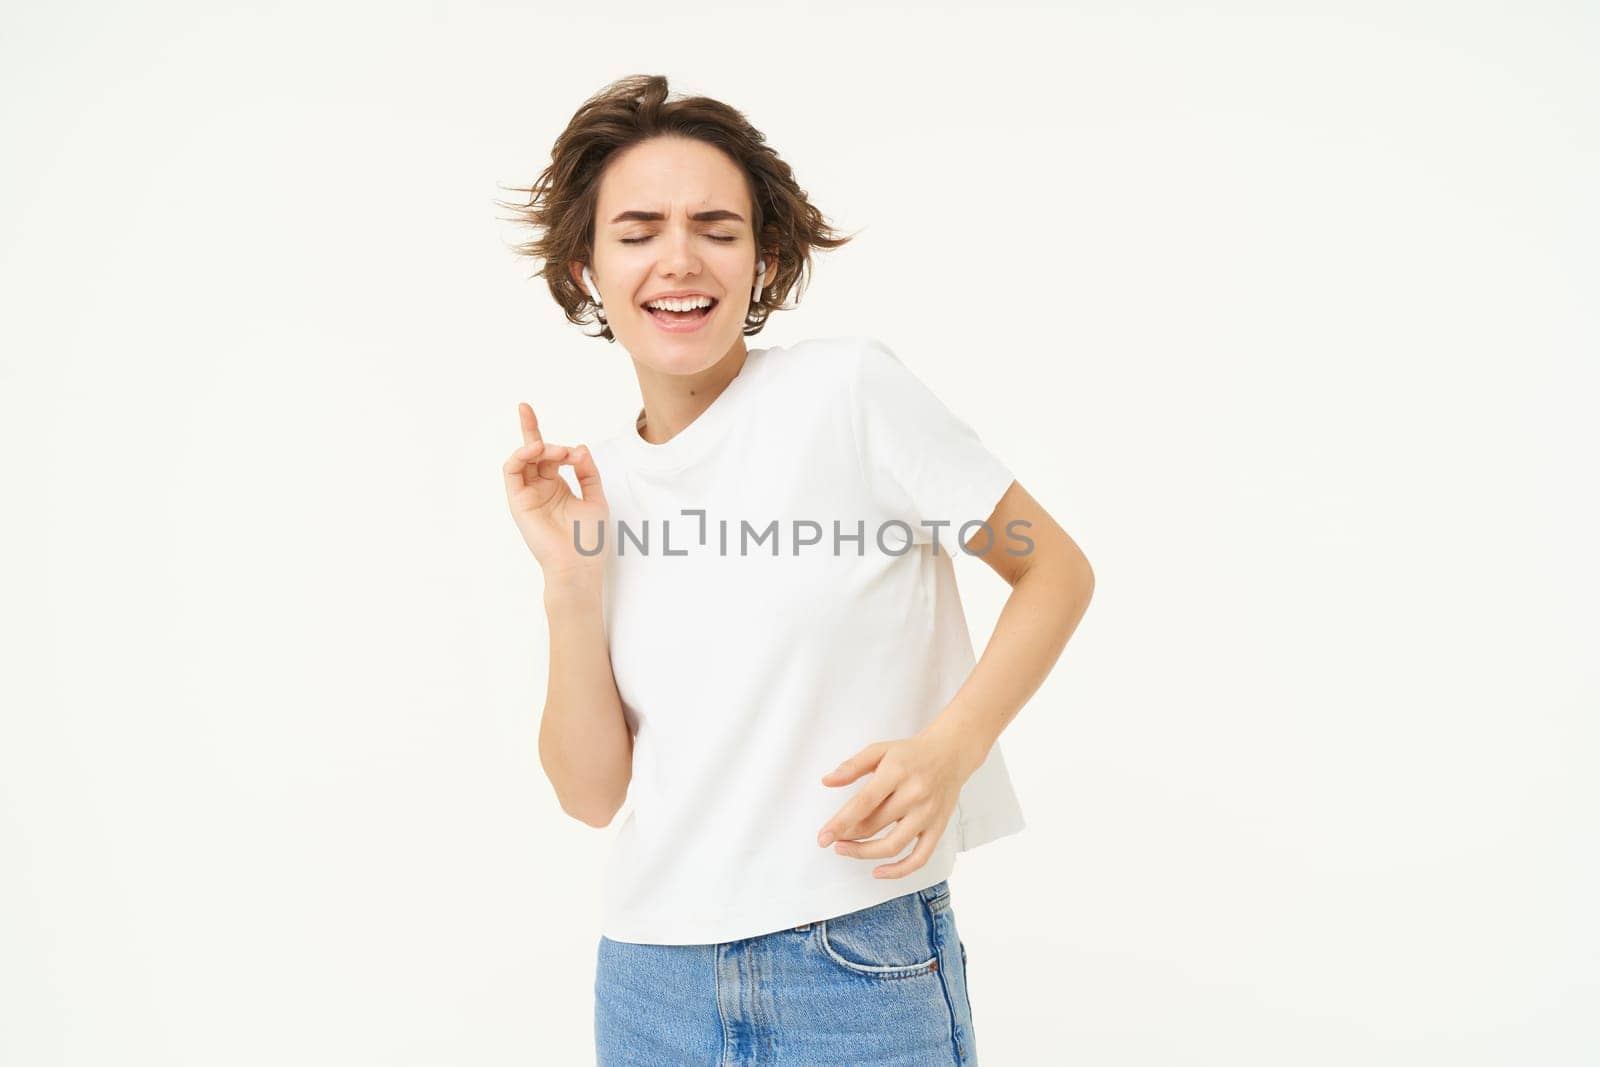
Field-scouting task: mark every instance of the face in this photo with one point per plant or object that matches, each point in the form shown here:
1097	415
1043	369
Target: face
673	215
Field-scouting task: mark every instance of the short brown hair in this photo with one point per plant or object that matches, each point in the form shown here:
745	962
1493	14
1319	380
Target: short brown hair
562	201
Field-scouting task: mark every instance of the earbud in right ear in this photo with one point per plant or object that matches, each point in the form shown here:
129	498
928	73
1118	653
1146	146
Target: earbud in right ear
588	281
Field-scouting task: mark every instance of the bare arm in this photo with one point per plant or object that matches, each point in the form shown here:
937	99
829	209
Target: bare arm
1051	585
585	745
916	782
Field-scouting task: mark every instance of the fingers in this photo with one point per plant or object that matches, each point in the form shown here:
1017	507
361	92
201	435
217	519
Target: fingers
858	808
588	475
544	459
530	424
552	459
525	456
528	460
856	765
894	807
515	467
925	846
890	844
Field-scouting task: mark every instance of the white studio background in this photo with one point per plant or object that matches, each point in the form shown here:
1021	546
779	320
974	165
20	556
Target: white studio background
1287	315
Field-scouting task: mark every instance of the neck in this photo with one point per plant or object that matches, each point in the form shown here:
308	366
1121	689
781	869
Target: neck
673	401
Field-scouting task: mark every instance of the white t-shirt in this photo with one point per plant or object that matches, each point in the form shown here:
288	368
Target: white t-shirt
747	675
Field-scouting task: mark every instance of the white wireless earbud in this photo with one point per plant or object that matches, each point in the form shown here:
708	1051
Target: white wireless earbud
761	282
588	281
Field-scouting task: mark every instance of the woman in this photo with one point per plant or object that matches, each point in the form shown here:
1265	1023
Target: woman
753	583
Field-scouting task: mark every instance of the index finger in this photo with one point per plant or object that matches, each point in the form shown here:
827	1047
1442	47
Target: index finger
854	810
530	424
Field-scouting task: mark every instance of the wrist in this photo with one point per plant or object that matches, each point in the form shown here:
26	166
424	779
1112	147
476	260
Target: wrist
966	744
576	585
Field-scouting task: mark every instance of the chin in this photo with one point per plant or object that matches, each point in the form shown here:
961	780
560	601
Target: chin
681	354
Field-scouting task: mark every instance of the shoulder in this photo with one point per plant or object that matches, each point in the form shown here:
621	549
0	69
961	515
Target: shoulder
838	363
839	350
858	373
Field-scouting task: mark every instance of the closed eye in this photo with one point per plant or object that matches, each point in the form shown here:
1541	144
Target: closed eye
646	237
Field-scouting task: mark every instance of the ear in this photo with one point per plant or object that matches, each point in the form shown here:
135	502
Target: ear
575	268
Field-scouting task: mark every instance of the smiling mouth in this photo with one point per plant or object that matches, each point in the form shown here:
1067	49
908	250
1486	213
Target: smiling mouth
682	316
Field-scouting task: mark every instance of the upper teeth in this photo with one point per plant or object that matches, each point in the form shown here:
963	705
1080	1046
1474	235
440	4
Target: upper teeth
688	303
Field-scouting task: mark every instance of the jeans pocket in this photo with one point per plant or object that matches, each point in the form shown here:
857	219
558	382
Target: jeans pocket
888	940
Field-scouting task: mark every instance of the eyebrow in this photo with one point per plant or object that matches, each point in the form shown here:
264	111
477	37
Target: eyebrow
717	215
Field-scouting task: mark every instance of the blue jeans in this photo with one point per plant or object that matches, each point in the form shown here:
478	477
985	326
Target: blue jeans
886	985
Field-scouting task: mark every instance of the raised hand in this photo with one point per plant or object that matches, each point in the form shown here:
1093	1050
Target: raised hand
545	508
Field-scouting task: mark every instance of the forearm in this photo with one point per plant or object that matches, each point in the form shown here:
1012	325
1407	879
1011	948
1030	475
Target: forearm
1039	617
585	746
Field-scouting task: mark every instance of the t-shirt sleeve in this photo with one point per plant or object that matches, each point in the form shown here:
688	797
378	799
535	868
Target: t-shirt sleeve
921	463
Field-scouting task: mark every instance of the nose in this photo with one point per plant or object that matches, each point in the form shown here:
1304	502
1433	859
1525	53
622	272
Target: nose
678	257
